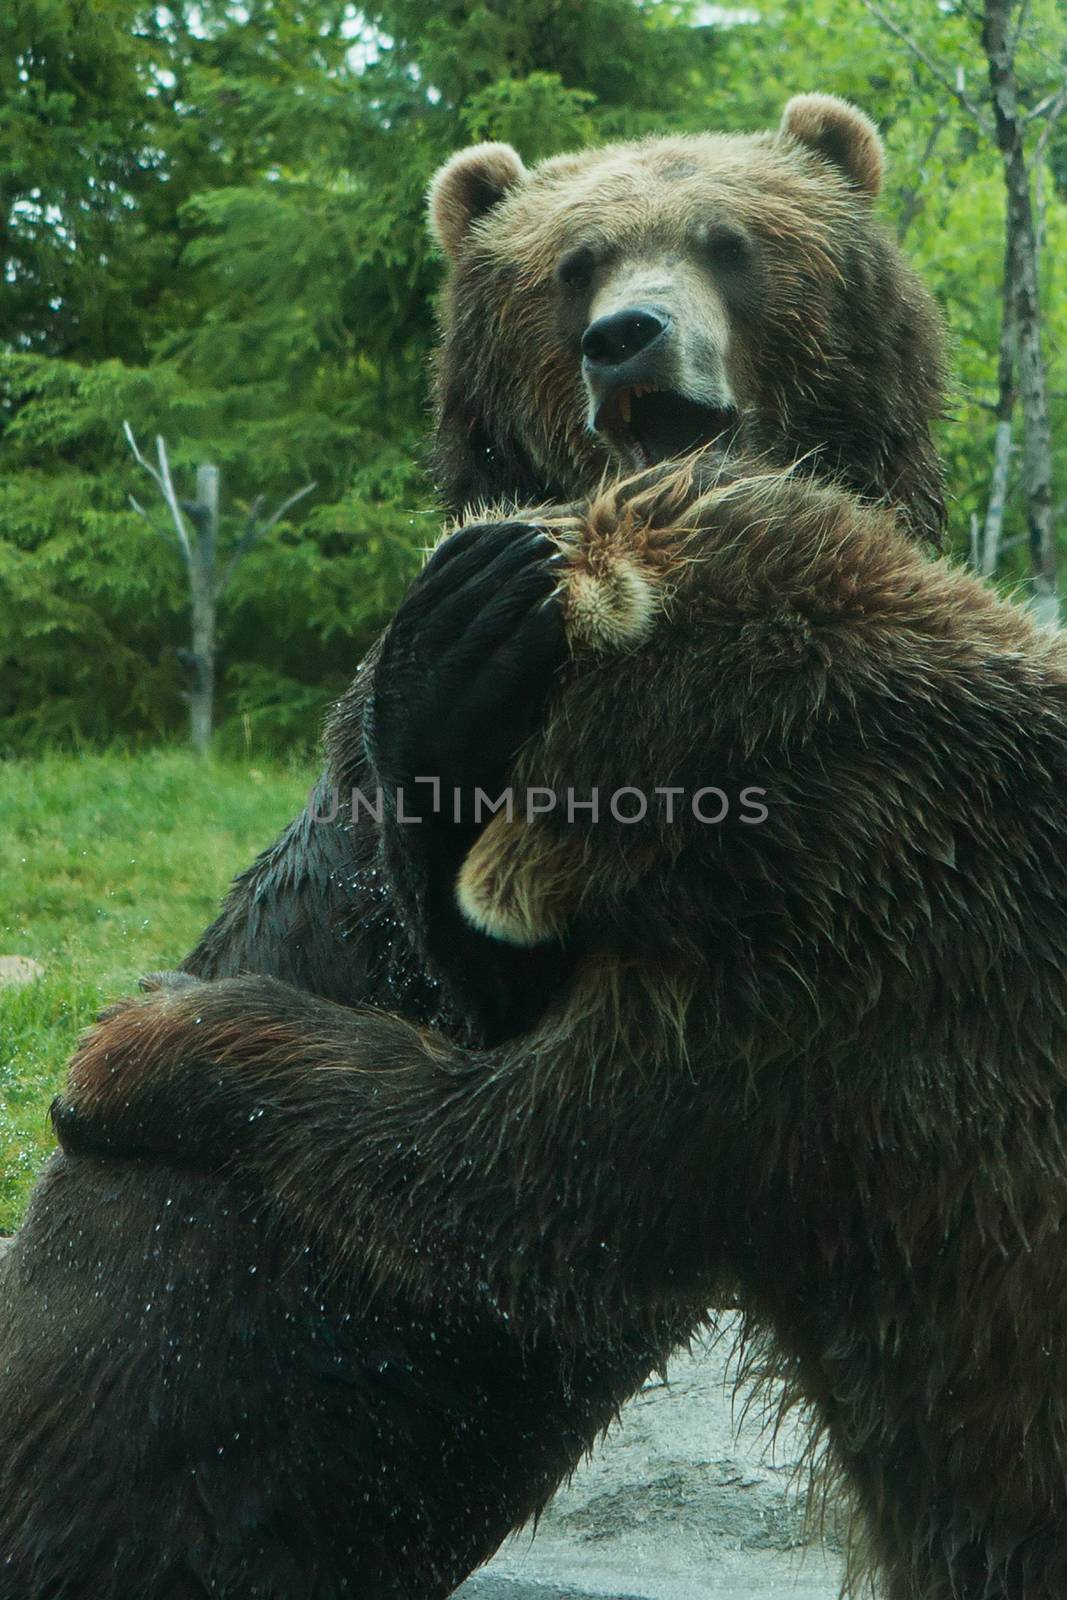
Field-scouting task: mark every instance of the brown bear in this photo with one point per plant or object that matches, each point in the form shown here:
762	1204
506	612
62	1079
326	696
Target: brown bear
814	1052
772	317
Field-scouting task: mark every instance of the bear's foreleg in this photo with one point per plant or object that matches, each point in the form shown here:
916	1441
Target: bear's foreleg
454	1177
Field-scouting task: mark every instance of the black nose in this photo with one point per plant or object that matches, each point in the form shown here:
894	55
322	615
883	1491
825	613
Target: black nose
609	341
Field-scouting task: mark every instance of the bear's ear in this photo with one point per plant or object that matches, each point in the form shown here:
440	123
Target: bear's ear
466	187
839	133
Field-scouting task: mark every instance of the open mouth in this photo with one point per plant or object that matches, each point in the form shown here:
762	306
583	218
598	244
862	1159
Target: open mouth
648	425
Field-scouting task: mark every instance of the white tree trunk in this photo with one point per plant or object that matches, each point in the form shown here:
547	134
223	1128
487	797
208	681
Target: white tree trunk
997	36
202	593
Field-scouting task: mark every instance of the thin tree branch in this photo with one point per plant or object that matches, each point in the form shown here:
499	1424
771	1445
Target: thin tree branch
1052	104
251	521
1052	116
1055	62
137	456
286	505
148	517
913	196
255	530
1022	288
944	78
168	491
1003	446
162	479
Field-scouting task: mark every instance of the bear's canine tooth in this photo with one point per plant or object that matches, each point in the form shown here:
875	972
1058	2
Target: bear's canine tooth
624	405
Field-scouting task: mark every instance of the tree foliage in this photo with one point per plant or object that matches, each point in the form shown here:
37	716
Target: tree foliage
211	222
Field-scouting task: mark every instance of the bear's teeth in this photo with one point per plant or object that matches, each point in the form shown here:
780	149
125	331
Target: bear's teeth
624	405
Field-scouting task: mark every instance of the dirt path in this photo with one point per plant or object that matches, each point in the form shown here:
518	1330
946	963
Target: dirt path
684	1499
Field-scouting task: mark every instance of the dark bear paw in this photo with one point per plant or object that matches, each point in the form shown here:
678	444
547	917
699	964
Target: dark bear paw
464	678
467	666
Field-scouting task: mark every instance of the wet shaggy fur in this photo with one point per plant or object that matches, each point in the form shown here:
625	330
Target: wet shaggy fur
820	1062
264	1427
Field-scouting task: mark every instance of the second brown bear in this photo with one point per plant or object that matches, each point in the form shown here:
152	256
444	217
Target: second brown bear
816	1057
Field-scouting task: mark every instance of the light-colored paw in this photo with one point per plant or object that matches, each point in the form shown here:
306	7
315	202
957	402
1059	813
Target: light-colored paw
610	588
518	884
610	604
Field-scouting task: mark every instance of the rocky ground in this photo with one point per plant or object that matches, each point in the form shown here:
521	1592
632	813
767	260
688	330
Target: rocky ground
686	1498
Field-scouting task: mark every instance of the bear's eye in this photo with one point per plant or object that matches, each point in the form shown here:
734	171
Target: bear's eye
725	245
576	268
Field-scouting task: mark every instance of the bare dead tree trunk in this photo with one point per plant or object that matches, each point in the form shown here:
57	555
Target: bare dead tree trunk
1021	368
205	515
997	38
914	196
1005	414
200	553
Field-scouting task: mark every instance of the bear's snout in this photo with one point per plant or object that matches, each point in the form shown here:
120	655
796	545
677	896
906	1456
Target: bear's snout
614	341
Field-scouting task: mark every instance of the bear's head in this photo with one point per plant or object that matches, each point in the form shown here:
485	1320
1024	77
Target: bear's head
614	308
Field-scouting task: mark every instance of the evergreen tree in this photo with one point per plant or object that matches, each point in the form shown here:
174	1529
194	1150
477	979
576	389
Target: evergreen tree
211	220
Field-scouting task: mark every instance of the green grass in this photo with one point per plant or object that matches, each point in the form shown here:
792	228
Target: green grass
110	866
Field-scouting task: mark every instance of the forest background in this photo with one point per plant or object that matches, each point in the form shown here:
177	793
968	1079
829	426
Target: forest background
211	225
